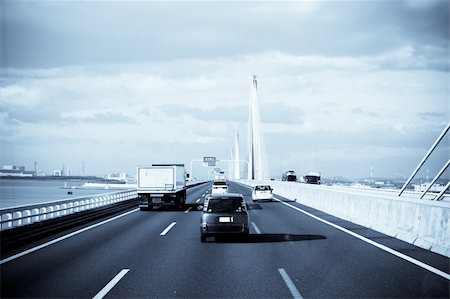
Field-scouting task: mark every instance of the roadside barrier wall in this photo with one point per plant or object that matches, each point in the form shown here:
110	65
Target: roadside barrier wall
422	222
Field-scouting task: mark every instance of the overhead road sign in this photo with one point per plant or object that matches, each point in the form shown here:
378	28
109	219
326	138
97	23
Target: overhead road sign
209	161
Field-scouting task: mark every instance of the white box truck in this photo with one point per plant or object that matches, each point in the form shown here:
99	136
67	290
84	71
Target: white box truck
161	185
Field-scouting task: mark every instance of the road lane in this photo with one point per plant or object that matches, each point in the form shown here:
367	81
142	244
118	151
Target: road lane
341	265
320	260
98	253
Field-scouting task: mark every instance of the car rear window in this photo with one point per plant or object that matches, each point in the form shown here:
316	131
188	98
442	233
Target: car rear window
225	205
220	184
263	188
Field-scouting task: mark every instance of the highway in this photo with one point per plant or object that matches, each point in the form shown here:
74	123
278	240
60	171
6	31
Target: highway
289	254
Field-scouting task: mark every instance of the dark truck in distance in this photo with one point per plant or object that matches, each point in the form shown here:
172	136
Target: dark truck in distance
161	185
312	178
289	176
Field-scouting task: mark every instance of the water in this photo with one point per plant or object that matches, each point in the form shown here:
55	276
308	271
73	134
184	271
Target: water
18	192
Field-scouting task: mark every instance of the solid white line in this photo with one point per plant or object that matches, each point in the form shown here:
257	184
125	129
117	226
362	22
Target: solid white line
167	229
380	246
198	200
63	238
111	284
256	228
291	286
187	211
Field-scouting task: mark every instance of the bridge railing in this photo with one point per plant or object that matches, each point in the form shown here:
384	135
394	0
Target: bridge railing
424	223
24	215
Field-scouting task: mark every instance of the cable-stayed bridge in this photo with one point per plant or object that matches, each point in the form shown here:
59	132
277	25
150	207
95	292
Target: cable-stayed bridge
311	241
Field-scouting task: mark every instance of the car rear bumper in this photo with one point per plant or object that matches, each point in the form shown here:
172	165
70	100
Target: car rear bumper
213	229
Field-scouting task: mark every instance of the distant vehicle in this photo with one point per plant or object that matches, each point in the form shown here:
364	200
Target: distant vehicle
219	187
312	178
262	192
289	176
161	185
224	214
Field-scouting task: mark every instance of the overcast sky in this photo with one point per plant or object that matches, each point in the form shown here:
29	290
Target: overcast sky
342	86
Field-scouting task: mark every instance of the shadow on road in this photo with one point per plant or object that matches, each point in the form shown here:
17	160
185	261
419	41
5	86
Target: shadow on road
267	238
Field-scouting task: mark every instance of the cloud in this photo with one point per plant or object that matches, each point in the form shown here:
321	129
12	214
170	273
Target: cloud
157	31
367	79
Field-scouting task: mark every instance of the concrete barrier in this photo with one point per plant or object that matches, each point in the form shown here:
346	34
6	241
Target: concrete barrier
424	223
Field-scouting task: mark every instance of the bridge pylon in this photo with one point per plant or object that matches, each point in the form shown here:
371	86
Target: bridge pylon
258	166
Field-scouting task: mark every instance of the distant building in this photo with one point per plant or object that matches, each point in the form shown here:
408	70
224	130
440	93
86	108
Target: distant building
13	167
15	171
122	177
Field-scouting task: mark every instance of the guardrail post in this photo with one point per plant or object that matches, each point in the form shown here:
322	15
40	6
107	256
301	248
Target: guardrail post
50	213
6	217
35	215
63	209
27	217
43	213
17	218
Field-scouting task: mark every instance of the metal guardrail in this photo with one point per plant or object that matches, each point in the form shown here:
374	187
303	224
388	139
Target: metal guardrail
24	215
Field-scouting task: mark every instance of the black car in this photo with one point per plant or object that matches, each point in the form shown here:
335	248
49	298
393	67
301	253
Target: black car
224	214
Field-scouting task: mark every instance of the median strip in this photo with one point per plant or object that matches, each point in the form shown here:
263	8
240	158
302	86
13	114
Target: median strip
167	229
291	286
111	284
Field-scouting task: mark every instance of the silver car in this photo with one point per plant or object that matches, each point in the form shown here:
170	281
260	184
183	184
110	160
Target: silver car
224	214
262	192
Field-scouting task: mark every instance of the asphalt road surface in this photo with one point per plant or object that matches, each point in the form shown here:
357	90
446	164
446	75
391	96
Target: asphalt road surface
158	254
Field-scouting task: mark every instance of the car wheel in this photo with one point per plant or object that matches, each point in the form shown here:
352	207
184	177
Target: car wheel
203	238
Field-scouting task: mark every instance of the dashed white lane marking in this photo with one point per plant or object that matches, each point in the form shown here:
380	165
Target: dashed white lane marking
380	246
291	286
187	211
111	284
198	200
203	195
63	238
256	228
164	232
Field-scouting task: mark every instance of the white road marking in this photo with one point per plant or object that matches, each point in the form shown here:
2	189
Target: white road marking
256	228
198	200
203	195
167	229
64	237
111	284
187	211
291	286
380	246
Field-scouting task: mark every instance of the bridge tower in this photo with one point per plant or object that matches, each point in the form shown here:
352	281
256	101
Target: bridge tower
258	166
234	166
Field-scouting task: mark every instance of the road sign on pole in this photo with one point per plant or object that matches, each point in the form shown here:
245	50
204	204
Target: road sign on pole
209	161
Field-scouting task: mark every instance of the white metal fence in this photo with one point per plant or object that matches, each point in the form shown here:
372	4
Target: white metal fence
24	215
